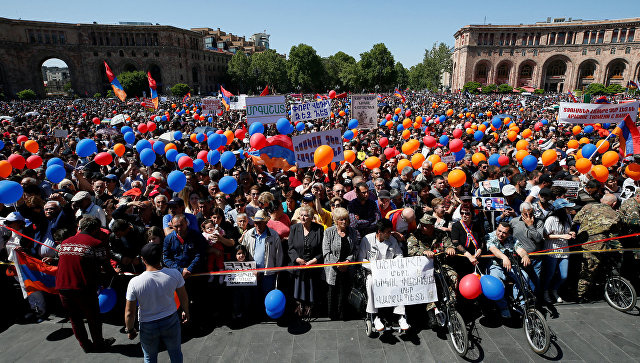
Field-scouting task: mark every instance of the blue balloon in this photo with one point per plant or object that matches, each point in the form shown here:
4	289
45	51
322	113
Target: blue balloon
588	150
179	156
478	135
147	157
55	161
158	147
480	114
209	134
164	118
291	128
349	134
214	142
176	180
177	135
228	184
444	140
1	145
107	300
213	157
130	137
492	287
353	124
442	118
198	165
275	301
171	155
460	154
11	192
210	119
588	129
142	145
465	110
395	117
529	163
256	128
493	159
241	154
283	125
86	147
606	125
228	160
383	122
125	129
544	121
496	122
275	314
400	128
200	137
300	126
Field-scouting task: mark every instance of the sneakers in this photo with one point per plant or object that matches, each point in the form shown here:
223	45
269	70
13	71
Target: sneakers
554	294
377	324
403	323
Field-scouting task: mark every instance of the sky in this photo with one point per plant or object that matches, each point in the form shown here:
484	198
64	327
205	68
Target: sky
406	27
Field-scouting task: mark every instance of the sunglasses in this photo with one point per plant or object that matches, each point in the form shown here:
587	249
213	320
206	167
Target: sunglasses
337	205
239	205
465	213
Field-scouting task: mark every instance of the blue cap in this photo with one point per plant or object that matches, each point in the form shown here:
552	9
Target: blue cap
563	203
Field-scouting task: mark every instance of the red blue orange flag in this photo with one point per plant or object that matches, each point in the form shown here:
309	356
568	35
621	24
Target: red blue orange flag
115	84
629	137
225	97
35	275
278	154
573	98
399	94
186	97
154	92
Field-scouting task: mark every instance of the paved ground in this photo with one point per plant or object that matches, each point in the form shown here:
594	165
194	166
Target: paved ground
593	333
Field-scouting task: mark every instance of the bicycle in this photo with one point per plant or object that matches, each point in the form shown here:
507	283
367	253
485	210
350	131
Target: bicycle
446	312
618	291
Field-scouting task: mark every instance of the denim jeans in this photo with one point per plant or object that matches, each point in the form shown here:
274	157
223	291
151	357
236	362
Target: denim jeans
550	265
501	273
165	329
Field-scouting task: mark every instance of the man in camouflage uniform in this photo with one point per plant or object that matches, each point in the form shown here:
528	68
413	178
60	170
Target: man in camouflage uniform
422	242
597	221
630	213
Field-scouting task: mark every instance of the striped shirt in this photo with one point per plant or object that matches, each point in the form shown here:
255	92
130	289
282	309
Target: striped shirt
552	225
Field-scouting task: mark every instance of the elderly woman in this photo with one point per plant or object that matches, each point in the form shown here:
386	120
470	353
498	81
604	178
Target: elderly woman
305	248
339	245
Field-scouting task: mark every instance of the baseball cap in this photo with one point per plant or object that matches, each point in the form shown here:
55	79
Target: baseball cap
428	220
384	194
175	201
14	217
157	175
563	203
508	190
546	192
309	197
111	177
348	182
136	192
80	196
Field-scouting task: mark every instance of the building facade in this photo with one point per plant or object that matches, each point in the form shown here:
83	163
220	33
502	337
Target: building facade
172	55
221	41
557	55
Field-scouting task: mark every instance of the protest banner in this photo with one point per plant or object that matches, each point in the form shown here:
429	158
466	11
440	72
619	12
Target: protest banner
211	106
490	203
571	186
310	111
364	108
240	278
238	102
265	109
403	281
489	187
306	144
589	113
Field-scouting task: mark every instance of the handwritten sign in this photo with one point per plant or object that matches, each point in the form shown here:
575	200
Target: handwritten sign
403	281
266	109
305	145
310	111
587	113
572	187
365	110
240	278
212	106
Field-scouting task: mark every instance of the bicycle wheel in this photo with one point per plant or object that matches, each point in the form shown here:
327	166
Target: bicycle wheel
619	293
458	333
537	331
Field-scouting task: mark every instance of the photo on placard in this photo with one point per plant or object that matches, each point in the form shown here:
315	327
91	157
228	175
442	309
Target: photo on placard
487	187
490	203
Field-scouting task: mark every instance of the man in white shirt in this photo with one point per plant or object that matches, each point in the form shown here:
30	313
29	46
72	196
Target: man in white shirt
84	206
154	291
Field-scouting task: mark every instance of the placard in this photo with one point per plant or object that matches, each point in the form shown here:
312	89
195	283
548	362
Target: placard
60	133
490	203
364	108
306	144
238	102
241	278
403	281
589	113
487	187
211	106
448	159
265	109
310	111
572	187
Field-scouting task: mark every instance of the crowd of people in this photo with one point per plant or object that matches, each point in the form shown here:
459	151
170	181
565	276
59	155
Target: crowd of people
104	224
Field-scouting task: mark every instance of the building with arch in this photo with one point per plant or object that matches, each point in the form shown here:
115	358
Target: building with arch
556	55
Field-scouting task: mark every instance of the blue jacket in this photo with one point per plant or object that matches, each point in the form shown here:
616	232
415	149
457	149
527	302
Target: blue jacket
189	255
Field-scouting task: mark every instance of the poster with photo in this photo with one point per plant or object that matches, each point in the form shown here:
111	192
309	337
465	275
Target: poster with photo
487	187
490	203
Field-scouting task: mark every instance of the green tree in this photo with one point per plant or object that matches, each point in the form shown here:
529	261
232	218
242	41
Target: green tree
180	89
270	68
134	83
489	88
472	87
538	91
27	94
67	86
377	67
596	89
97	95
416	77
351	77
238	72
612	89
436	62
305	68
337	68
110	94
402	76
505	88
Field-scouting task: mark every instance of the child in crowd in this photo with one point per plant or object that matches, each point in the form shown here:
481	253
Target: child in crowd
215	259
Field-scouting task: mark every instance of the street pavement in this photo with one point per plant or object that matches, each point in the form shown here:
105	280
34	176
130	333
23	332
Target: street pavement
590	333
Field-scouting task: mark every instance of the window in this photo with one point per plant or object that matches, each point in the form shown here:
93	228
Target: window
535	52
531	36
133	53
585	38
561	38
62	38
513	38
613	51
588	71
54	38
630	35
40	37
623	33
501	39
500	52
524	53
526	71
95	54
181	77
503	71
156	53
511	52
557	69
145	54
598	51
617	70
491	39
569	38
601	37
537	42
121	53
482	71
584	52
524	39
552	38
627	50
592	38
479	54
614	36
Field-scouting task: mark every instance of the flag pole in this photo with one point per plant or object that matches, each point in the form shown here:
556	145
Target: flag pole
598	148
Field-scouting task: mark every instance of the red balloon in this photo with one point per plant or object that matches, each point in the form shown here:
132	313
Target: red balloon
455	145
153	117
96	120
332	94
407	113
151	126
143	128
34	161
103	158
467	125
240	133
257	141
470	286
430	141
503	160
202	155
17	161
84	114
185	162
383	142
388	117
457	133
389	152
22	139
537	126
143	104
220	132
114	112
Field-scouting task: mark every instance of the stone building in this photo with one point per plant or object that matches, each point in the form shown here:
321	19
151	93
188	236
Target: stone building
220	40
172	55
557	55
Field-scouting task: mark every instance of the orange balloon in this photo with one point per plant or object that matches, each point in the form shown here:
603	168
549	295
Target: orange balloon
372	162
341	113
355	132
119	149
477	158
456	178
460	115
349	156
410	146
449	112
585	140
323	156
600	173
522	145
419	119
5	168
526	133
417	160
389	124
398	110
489	113
229	135
579	154
31	146
512	135
610	158
469	131
474	127
482	128
583	165
605	146
406	123
193	138
325	169
549	157
576	130
633	171
402	163
439	168
521	154
573	144
468	114
434	159
406	134
495	135
416	125
170	146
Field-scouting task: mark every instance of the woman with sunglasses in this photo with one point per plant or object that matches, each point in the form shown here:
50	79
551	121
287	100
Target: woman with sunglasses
221	202
468	239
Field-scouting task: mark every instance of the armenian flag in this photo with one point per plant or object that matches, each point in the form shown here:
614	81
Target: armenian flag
399	94
573	98
35	275
186	97
225	97
629	137
601	100
278	154
632	85
154	92
115	84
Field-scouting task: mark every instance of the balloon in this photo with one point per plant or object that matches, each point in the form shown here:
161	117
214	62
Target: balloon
478	135
353	123
409	147
573	144
332	94
130	137
176	180
588	129
493	159
257	141
406	123
1	145
455	145
512	135
633	171
402	163
526	133
439	168
492	287
602	146
300	126
503	160
142	145
151	126
457	133
397	110
256	128
125	129
55	161
460	154
185	162
372	162
449	112
17	161
389	152
521	154
348	135
202	155
470	286
583	165
434	159
31	146
383	142
349	156
86	147
214	141
610	158
323	156
275	302
10	192
228	160
588	150
119	149
147	157
584	140
107	300
171	155
198	165
21	139
456	178
522	145
549	157
496	122
600	173
55	173
388	117
177	135
444	140
477	158
103	158
429	141
170	146
529	162
283	126
576	130
213	157
229	135
5	168
407	113
417	160
142	128
158	147
228	184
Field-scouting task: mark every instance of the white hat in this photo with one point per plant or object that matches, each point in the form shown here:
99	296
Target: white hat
80	196
508	190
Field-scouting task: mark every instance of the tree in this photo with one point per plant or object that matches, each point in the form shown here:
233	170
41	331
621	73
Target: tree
402	76
134	83
67	86
238	72
436	62
416	77
110	94
338	71
180	89
538	91
612	89
595	89
351	77
489	88
505	88
97	95
472	87
377	67
305	68
270	68
27	94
